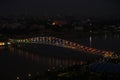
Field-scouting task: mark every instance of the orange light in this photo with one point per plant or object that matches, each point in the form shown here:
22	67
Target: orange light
2	43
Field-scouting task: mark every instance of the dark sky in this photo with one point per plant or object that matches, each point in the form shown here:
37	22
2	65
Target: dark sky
51	7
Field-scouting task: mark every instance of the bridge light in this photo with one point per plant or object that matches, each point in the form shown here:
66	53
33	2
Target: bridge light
37	38
2	43
23	40
8	43
81	46
74	44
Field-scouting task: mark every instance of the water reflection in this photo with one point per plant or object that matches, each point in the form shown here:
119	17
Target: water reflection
105	37
51	61
111	36
90	41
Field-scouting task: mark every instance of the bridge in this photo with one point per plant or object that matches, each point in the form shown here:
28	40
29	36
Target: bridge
62	43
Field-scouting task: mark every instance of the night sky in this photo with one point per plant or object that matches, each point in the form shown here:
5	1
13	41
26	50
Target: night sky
67	7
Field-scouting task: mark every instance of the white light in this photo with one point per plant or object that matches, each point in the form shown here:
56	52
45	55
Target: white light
53	23
29	75
18	78
8	43
3	44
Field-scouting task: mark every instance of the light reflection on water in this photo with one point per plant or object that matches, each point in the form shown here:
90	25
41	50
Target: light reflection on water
105	42
22	62
50	60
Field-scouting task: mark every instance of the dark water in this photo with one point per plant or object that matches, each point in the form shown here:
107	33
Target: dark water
104	42
19	62
38	58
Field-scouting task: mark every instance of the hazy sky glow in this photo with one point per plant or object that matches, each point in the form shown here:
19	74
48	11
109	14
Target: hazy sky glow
75	7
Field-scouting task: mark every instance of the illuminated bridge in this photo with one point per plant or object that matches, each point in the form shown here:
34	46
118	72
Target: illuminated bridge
62	43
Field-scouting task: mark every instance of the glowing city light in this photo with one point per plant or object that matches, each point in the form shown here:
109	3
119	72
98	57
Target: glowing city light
53	23
2	43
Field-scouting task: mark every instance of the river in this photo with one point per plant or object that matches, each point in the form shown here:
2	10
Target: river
39	58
